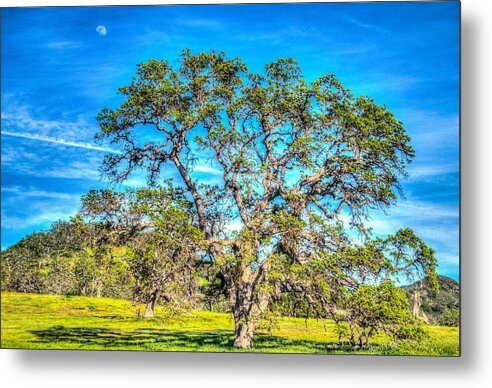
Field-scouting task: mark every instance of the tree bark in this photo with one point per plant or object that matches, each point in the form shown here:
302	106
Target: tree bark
244	335
243	319
99	287
150	307
247	307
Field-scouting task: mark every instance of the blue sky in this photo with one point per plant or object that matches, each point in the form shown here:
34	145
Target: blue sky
58	73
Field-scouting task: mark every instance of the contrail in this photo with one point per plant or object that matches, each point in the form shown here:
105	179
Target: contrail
87	146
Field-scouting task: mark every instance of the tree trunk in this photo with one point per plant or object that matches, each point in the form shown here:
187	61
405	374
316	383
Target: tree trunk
244	335
246	303
99	287
150	307
243	320
247	308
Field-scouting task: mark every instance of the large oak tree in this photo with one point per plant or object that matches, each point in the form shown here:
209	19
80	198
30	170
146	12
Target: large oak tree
152	229
296	159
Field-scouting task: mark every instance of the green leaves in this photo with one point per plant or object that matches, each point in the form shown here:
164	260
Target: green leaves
379	307
269	133
410	256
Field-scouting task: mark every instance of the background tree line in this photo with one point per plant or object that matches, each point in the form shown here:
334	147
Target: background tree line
107	251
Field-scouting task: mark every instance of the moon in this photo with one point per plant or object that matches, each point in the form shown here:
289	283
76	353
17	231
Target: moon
101	30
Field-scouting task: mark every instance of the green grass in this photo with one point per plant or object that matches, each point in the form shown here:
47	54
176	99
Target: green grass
56	322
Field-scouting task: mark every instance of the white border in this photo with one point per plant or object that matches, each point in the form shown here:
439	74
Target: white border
474	369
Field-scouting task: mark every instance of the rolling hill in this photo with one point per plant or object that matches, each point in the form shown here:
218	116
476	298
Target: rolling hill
435	307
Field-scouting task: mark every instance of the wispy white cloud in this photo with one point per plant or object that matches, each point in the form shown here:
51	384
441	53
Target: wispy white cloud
30	192
138	181
449	260
384	82
62	45
27	207
430	229
207	169
83	169
12	155
423	210
361	24
278	36
35	137
23	121
153	37
56	148
428	128
442	233
42	219
435	224
429	171
198	23
50	161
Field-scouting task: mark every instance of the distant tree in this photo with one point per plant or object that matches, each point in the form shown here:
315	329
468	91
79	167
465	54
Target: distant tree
296	158
58	276
85	273
160	244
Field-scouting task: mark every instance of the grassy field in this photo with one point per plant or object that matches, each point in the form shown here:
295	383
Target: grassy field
57	322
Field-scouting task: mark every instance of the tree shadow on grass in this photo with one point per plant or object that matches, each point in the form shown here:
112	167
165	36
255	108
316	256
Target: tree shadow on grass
148	338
